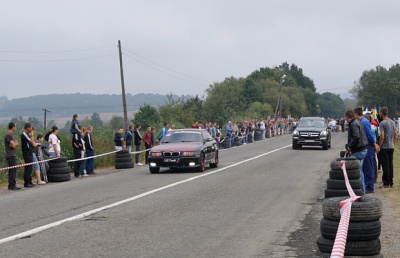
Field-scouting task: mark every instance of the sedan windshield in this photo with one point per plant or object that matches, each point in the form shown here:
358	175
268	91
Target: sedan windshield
311	123
180	136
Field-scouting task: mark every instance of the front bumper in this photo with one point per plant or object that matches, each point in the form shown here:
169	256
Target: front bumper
174	162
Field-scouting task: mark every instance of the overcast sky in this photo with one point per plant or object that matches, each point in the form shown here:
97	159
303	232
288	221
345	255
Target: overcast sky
183	46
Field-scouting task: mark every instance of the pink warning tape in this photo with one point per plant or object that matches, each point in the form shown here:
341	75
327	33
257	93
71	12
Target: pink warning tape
27	164
339	245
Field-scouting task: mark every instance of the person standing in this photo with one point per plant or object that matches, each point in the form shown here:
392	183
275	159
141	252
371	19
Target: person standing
74	124
77	147
229	133
356	142
372	148
262	128
118	139
129	138
54	142
27	143
163	131
387	140
89	151
41	152
138	142
147	142
10	144
82	167
36	164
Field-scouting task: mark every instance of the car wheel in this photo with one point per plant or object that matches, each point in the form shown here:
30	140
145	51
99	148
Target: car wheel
154	170
215	164
202	164
325	146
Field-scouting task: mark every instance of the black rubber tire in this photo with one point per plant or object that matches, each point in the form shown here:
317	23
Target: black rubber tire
329	193
59	160
154	170
124	165
215	164
350	164
123	160
59	171
295	146
347	158
325	146
358	231
202	163
58	165
58	177
338	174
122	152
341	184
366	209
319	254
123	155
353	248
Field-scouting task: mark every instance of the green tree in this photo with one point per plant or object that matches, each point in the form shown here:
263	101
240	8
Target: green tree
37	124
116	122
258	110
147	115
95	120
331	105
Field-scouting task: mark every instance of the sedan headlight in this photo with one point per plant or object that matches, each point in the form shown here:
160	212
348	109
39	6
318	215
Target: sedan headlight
187	153
155	154
295	132
324	133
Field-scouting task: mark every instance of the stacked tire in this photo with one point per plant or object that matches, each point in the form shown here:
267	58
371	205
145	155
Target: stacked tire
225	143
364	227
236	141
336	185
257	135
123	159
250	138
59	170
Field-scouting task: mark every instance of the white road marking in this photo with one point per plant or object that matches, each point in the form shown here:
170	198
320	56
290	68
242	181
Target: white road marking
86	214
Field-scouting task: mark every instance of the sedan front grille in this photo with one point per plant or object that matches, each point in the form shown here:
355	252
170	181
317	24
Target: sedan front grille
309	134
171	154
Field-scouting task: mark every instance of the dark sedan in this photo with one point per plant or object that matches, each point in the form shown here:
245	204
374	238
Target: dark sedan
184	148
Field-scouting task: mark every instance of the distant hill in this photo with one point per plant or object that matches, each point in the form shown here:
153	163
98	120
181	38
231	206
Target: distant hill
62	105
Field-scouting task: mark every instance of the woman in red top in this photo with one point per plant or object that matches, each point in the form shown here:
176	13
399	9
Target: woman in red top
147	141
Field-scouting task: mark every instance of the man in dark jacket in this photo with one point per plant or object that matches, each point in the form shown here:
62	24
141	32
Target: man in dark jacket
89	151
77	147
119	139
128	138
138	142
356	142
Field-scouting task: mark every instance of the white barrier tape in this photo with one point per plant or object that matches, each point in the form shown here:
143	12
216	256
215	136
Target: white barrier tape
92	157
27	164
339	245
136	152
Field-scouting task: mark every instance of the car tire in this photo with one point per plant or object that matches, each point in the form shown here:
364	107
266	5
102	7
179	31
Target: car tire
353	248
215	164
341	184
350	164
325	146
338	174
358	231
58	165
58	177
59	160
295	146
329	193
123	160
122	155
122	152
366	209
154	170
58	171
202	163
124	165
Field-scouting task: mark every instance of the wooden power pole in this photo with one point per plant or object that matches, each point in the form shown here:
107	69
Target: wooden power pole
123	86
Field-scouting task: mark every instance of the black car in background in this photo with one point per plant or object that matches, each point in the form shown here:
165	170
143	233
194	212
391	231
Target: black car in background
312	131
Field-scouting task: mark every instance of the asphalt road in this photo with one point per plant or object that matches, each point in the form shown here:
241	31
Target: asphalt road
247	207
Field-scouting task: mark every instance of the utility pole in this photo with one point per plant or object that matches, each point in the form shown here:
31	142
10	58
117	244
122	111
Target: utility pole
45	116
279	104
123	86
395	101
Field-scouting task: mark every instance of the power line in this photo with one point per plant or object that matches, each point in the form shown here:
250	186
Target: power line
155	68
55	51
191	76
53	60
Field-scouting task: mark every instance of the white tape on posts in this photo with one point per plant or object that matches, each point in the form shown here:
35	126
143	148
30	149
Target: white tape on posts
339	245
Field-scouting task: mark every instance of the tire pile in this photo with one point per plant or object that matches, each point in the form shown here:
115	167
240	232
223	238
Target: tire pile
123	159
336	185
364	226
226	143
59	170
